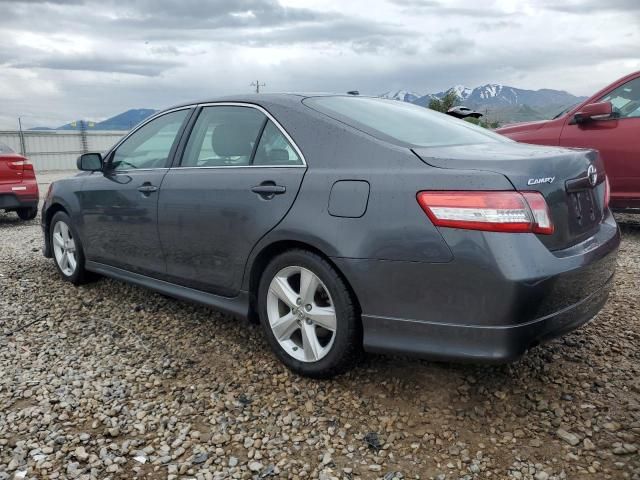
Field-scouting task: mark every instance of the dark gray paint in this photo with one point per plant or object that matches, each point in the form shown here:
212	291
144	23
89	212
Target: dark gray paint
445	292
211	219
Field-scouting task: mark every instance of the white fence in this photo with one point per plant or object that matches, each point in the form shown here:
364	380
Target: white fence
59	149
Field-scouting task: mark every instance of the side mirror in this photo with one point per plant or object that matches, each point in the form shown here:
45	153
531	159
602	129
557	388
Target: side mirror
593	112
89	162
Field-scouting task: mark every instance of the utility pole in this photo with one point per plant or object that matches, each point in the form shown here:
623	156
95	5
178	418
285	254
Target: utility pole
23	148
257	84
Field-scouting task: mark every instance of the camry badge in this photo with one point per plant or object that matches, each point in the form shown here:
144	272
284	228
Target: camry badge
592	173
538	181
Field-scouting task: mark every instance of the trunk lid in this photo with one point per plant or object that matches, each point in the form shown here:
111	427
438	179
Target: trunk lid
11	168
561	175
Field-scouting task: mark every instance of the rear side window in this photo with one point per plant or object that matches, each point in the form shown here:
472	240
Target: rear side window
232	136
5	148
274	149
402	123
223	137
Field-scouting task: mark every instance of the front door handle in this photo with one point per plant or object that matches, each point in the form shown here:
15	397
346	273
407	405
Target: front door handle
147	189
268	190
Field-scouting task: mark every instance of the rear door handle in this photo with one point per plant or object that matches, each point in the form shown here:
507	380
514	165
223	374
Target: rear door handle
268	190
147	188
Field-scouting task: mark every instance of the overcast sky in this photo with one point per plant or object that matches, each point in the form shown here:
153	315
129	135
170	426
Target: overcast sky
67	59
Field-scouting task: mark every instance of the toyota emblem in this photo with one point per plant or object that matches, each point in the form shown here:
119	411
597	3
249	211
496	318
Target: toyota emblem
592	174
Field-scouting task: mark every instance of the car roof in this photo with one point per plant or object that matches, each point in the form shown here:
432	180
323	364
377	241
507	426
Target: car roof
291	99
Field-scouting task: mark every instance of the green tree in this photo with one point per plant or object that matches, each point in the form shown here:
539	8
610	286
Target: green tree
482	122
443	104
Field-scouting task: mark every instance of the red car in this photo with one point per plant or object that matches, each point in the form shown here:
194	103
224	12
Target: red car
609	121
18	185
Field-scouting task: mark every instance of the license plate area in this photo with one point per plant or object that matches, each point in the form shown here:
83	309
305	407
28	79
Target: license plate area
583	209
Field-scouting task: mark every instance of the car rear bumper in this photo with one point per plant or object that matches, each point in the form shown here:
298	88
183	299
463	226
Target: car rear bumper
12	201
500	295
477	343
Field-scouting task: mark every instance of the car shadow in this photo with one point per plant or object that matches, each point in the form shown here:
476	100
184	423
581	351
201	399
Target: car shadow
11	219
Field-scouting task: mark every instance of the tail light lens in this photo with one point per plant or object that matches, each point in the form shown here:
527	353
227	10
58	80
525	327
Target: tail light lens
514	212
21	165
607	192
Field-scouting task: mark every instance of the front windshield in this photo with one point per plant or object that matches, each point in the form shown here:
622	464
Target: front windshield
402	123
565	110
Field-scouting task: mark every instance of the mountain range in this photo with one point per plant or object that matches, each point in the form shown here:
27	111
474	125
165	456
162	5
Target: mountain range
498	102
123	121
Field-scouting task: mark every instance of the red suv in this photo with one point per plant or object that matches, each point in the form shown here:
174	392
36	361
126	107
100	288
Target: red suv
609	121
18	185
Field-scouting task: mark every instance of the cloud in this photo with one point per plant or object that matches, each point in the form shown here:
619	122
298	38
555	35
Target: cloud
451	42
99	63
589	6
65	59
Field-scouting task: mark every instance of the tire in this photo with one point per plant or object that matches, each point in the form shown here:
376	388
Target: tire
333	351
76	275
27	213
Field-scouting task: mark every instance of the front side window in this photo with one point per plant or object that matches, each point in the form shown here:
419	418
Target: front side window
402	123
150	145
625	99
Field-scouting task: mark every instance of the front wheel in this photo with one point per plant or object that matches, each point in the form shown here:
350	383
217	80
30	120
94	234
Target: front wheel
309	315
67	249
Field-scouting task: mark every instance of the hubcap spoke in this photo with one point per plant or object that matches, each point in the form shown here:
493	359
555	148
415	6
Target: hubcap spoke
71	260
310	344
280	288
64	231
284	327
58	240
324	317
308	286
64	262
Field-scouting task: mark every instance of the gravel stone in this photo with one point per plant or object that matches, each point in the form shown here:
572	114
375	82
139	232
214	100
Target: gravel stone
110	374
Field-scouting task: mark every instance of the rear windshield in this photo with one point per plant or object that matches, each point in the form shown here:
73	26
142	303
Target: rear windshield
5	148
402	123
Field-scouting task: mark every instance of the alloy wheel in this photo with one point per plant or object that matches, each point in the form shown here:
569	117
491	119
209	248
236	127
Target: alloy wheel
64	248
301	314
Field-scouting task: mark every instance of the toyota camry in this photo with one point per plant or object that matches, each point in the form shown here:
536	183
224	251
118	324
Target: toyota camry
345	223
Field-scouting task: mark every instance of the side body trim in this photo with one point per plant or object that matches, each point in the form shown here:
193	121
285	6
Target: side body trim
237	306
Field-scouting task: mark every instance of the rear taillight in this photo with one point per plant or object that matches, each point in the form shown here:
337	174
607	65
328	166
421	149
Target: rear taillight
607	192
21	165
515	212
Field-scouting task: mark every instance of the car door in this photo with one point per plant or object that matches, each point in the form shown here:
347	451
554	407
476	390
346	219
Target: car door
119	206
238	176
617	141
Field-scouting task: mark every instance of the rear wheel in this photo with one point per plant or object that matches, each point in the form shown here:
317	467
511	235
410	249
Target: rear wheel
27	213
67	249
308	315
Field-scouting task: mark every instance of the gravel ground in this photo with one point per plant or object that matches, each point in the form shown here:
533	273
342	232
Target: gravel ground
112	381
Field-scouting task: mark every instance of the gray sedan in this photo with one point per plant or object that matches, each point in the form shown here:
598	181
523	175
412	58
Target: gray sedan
345	223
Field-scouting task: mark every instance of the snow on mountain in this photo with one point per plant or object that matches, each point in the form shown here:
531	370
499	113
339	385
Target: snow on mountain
462	91
402	95
497	95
